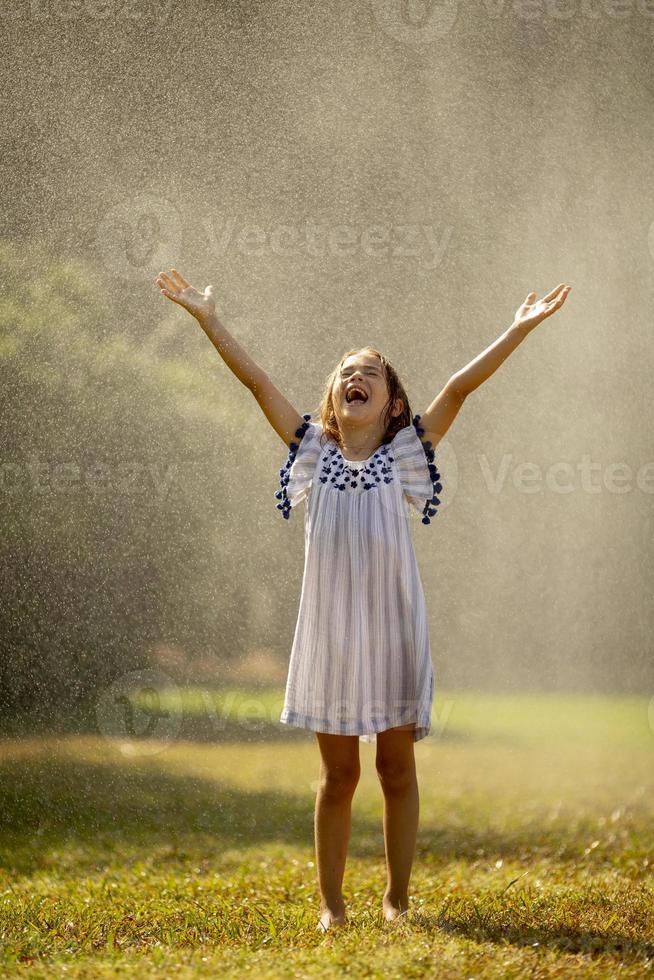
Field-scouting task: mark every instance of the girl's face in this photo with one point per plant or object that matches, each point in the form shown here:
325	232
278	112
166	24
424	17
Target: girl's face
360	389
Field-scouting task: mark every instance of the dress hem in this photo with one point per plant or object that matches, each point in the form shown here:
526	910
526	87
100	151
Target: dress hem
295	720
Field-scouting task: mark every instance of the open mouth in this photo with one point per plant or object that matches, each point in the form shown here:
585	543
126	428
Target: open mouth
355	394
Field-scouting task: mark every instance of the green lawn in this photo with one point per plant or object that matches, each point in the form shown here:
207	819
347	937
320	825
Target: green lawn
534	854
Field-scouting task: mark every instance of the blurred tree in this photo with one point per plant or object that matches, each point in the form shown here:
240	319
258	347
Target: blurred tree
111	541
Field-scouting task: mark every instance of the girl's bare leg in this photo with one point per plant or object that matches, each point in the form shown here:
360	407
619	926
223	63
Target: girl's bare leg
339	774
396	769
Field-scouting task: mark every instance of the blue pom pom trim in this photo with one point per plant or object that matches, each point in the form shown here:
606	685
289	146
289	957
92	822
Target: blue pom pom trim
429	511
285	472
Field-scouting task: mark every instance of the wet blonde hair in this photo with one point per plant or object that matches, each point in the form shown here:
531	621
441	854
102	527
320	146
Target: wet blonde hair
395	390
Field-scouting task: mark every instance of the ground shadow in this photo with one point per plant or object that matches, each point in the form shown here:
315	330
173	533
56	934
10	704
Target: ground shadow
566	940
46	803
50	804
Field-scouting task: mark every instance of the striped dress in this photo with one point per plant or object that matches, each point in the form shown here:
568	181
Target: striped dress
360	661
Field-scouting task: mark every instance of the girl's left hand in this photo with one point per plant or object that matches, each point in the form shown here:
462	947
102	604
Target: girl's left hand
532	311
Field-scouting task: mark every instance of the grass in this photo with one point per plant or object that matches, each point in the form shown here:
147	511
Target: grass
188	857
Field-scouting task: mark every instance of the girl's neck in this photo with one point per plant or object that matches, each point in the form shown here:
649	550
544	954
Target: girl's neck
356	451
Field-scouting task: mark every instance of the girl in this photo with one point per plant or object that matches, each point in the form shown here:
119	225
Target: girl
360	667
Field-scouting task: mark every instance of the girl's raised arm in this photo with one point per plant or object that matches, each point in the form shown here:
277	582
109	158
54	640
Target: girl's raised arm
283	417
443	410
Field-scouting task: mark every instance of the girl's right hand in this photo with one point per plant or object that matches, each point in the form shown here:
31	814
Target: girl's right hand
176	288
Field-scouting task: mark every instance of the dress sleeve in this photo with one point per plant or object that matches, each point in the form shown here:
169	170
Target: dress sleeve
419	477
296	476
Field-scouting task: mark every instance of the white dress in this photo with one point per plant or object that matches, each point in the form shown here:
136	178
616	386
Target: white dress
361	660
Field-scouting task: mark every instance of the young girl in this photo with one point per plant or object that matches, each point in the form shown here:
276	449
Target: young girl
360	667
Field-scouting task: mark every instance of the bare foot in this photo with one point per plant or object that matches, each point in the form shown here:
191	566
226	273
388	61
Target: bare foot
394	910
330	920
